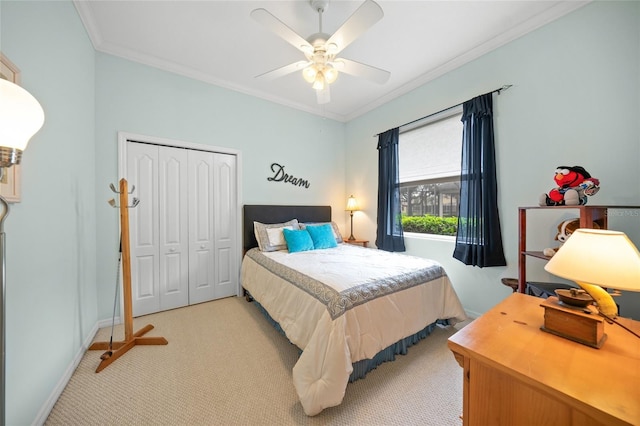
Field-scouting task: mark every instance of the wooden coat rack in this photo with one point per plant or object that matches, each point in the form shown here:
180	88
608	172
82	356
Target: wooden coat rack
116	349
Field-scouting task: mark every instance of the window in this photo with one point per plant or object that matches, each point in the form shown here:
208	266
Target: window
429	155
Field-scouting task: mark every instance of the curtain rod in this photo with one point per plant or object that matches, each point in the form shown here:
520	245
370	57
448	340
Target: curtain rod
501	89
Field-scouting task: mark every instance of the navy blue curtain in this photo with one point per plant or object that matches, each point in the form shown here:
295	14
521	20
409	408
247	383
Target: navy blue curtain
389	235
479	240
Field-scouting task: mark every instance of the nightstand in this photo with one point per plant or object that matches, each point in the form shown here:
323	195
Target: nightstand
516	374
363	243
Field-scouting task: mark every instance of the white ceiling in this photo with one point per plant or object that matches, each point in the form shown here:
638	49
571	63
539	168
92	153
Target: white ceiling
217	42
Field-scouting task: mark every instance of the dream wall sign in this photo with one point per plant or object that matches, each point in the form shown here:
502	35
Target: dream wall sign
279	175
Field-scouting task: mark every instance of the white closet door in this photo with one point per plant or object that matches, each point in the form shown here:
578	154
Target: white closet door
142	172
183	231
201	245
224	196
173	220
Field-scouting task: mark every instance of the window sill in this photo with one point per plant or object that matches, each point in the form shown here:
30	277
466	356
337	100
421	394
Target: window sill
431	237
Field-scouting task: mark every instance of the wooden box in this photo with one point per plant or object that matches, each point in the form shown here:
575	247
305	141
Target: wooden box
581	325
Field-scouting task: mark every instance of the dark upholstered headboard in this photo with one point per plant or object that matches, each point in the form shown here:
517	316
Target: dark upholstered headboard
278	214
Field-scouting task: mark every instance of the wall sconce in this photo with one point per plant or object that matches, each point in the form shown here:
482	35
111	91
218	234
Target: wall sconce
21	116
596	258
352	205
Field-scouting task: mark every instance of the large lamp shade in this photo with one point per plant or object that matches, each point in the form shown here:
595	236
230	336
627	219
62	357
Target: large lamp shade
21	116
601	257
597	258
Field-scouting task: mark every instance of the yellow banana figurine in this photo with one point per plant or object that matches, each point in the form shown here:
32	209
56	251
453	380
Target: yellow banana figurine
606	305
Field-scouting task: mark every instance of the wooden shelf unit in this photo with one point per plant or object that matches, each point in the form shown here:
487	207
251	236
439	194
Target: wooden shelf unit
588	215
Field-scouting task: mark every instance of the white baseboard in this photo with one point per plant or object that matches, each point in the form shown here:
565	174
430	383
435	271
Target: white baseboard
472	314
45	410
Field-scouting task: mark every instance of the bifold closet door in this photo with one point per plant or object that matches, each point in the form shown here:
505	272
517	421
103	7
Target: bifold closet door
212	206
201	246
226	215
159	227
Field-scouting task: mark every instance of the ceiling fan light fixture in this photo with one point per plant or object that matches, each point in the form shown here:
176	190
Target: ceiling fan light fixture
330	74
319	82
309	73
322	66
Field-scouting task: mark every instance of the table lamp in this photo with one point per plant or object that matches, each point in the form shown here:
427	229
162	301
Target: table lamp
21	116
597	258
352	205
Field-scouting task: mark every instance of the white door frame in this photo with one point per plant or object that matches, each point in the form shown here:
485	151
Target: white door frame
123	137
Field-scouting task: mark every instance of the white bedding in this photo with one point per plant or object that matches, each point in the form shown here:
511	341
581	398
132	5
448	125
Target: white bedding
343	305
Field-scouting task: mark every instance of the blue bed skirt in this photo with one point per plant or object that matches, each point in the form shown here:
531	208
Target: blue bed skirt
362	367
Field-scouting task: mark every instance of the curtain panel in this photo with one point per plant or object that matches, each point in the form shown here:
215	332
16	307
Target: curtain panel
479	239
389	234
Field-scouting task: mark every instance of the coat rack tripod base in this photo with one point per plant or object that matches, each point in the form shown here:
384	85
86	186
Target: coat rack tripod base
115	350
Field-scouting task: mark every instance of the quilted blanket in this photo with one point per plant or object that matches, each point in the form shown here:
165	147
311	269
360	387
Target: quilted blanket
343	305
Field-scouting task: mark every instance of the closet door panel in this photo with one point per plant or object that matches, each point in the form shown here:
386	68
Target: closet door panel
142	179
174	236
144	268
201	261
225	217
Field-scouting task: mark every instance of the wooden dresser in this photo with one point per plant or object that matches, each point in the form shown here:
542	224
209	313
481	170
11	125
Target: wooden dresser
517	374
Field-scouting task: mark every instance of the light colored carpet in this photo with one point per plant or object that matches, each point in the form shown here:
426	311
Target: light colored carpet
225	365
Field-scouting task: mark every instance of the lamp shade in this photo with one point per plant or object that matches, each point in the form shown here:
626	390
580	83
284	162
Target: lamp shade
330	74
21	116
318	83
309	73
601	257
352	204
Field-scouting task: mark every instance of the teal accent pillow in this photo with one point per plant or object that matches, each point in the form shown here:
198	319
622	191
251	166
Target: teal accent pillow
322	236
297	240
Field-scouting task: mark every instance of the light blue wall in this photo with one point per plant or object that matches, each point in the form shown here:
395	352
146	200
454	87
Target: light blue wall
51	233
575	101
138	99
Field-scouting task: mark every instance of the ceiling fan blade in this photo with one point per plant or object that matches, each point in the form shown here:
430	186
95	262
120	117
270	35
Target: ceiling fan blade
357	69
280	28
282	71
323	96
364	17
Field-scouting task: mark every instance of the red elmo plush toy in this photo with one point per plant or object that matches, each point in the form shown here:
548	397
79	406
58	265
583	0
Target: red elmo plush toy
574	185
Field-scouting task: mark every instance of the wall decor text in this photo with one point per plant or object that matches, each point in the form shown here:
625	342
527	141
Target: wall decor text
281	176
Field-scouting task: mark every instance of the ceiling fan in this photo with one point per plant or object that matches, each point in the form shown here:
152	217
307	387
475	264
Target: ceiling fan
321	66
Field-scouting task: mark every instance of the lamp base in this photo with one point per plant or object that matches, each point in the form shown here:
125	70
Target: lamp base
581	325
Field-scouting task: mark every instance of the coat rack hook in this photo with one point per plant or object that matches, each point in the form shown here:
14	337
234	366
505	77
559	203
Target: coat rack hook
136	201
112	203
113	188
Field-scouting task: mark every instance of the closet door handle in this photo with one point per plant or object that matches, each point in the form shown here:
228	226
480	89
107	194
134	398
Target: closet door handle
202	246
172	249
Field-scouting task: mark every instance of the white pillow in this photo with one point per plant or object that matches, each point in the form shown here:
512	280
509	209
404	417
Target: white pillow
270	236
334	226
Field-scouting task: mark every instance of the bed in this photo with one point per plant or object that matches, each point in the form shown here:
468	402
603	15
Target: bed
346	307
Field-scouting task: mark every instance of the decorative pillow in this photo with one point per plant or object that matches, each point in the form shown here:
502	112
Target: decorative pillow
297	240
322	236
269	236
334	227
